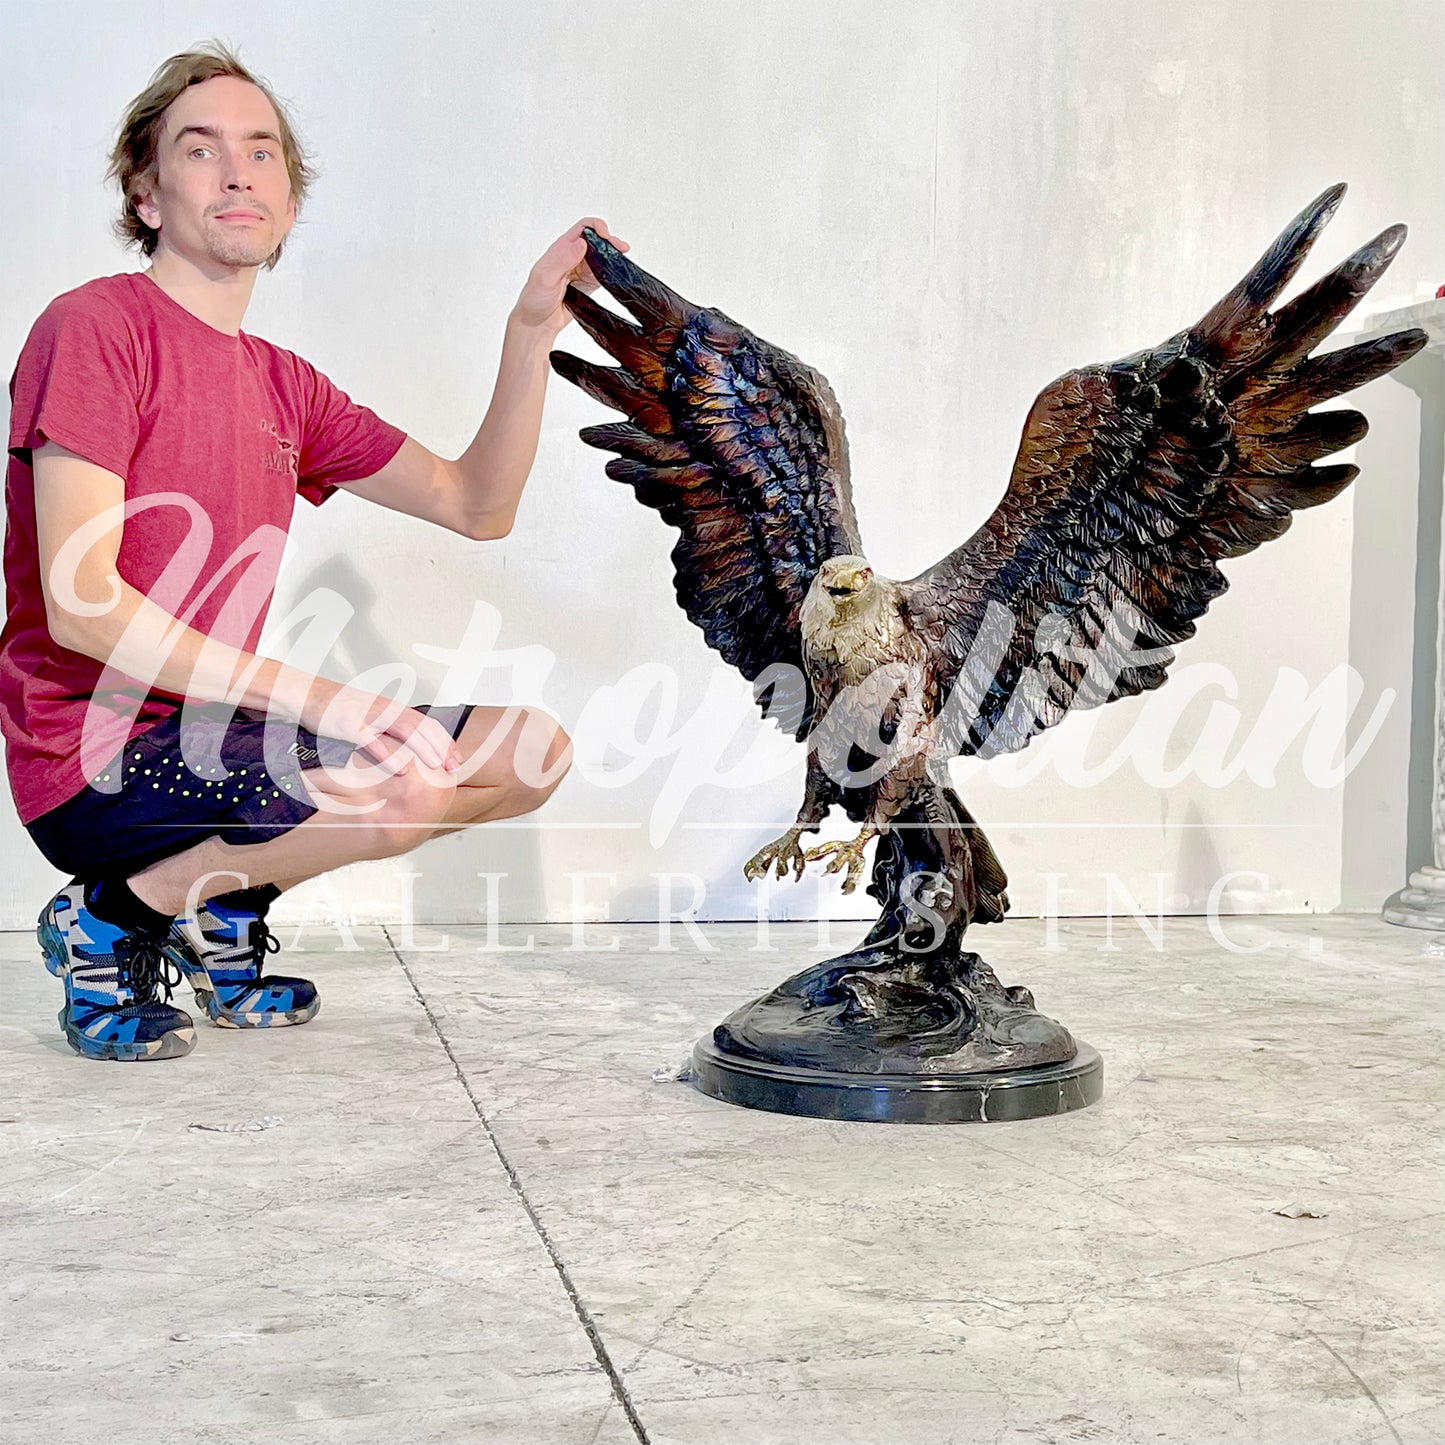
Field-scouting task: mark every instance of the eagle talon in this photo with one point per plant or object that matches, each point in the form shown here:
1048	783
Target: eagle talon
781	855
844	855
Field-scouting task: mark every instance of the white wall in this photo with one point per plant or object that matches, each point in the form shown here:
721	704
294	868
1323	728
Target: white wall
941	205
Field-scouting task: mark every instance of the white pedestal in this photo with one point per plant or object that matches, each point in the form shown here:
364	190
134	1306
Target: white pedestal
1421	903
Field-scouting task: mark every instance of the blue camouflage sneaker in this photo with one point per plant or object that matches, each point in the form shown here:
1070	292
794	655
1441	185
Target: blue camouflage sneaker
221	952
112	976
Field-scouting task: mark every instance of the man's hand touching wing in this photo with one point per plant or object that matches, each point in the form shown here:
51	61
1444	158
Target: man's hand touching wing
562	264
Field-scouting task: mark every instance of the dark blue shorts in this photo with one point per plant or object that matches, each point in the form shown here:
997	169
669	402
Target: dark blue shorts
234	775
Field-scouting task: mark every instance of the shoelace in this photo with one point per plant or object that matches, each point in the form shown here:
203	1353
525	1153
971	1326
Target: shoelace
144	967
262	942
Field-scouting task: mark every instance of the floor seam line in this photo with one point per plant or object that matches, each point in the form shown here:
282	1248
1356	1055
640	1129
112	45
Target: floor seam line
584	1315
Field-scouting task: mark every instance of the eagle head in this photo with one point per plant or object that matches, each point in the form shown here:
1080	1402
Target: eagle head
846	613
845	579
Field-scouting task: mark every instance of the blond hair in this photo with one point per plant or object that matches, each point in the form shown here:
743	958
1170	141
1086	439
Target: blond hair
134	159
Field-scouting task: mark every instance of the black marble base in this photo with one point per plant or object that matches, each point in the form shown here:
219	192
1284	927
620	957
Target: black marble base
912	1098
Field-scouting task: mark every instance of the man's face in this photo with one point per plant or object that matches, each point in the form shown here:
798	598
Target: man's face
223	195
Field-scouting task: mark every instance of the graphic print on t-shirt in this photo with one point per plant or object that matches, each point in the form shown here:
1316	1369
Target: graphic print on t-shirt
284	457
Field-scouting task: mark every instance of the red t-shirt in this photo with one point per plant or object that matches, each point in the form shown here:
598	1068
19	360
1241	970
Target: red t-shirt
214	435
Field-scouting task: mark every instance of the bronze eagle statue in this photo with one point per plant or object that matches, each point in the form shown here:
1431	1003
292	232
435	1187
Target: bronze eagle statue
1133	482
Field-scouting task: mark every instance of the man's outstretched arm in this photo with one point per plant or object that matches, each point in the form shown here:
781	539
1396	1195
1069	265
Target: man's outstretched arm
477	494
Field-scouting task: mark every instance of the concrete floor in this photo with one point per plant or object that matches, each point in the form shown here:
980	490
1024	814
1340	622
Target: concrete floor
481	1220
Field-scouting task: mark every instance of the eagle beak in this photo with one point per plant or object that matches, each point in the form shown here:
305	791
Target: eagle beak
847	581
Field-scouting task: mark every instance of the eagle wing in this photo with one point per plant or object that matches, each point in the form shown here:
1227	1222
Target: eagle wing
737	444
1132	482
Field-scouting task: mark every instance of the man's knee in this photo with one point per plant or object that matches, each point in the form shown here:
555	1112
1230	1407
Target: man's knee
558	759
542	758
